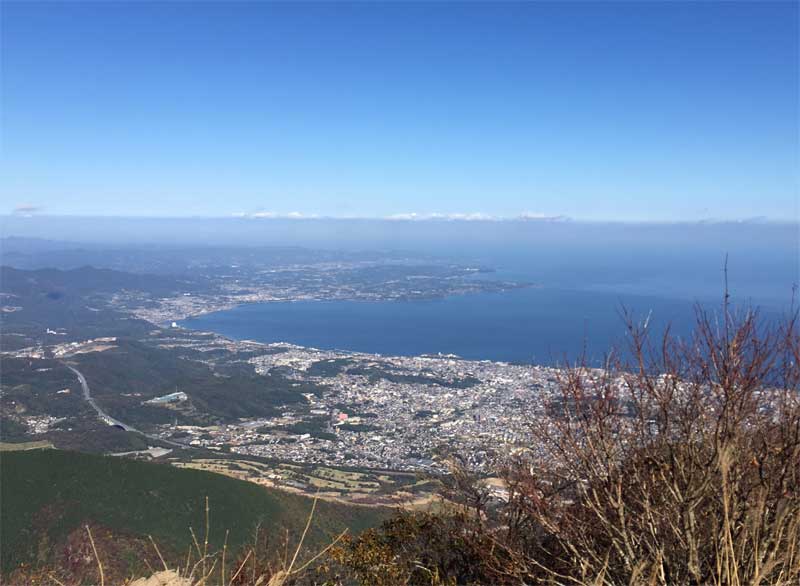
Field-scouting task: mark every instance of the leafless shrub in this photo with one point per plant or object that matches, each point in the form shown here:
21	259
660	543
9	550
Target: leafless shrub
681	466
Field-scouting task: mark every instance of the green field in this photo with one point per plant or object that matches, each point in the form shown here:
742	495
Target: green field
24	446
46	494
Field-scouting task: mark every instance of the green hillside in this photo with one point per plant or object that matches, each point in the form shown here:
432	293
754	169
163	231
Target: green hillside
46	494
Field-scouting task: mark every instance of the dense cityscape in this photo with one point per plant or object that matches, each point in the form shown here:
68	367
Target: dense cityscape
400	413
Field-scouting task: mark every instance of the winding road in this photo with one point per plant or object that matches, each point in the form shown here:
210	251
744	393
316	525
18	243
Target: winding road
102	414
106	417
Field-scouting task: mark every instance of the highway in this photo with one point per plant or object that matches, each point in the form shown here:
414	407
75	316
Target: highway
102	414
105	416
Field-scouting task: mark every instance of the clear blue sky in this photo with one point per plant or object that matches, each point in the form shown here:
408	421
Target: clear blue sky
633	111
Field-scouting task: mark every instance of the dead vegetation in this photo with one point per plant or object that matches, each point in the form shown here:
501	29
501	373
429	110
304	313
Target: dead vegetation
680	467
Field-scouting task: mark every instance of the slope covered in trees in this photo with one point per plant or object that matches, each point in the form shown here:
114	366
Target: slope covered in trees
48	496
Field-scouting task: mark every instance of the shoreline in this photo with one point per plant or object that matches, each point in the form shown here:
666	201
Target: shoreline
173	314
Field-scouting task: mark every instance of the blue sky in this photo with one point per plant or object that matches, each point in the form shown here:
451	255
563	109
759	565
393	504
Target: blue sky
633	111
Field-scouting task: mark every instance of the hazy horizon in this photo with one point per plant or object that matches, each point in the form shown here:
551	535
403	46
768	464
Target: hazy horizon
679	260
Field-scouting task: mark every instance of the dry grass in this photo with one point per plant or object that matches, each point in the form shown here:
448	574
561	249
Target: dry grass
256	566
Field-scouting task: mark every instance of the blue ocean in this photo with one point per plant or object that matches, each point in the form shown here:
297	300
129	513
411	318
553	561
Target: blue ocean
576	309
525	325
537	325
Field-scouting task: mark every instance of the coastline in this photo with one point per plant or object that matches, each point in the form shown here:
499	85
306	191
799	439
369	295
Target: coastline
185	307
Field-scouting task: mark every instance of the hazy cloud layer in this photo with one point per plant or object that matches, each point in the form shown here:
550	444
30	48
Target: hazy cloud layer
26	209
406	217
275	215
